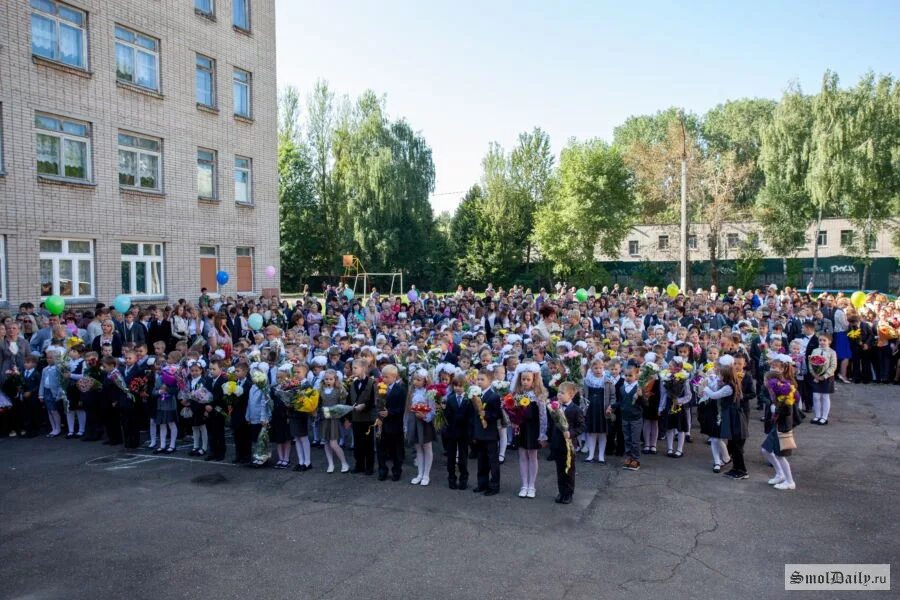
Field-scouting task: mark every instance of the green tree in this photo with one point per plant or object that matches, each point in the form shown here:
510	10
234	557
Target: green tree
590	214
467	237
531	173
747	266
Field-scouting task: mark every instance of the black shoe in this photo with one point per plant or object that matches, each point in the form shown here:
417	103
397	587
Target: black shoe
462	485
479	490
396	477
194	452
566	500
170	450
558	499
452	485
688	439
492	492
70	435
382	477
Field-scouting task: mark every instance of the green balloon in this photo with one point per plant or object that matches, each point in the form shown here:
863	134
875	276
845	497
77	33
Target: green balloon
581	295
55	304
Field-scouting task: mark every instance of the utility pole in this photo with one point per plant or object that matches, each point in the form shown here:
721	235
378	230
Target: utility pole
684	216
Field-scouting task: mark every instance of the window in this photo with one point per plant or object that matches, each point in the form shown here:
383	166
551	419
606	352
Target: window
206	81
846	237
209	265
142	269
67	268
242	93
58	32
206	173
822	238
633	247
205	7
753	240
733	240
1	139
240	13
137	58
2	268
139	159
692	241
244	269
663	242
242	180
871	241
63	147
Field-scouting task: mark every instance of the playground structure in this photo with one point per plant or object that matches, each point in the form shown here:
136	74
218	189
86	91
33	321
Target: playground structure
355	272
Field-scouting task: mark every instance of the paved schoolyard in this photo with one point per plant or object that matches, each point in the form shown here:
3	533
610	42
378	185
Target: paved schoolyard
78	520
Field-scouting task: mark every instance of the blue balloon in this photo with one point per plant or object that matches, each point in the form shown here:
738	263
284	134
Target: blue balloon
222	277
255	321
348	293
122	303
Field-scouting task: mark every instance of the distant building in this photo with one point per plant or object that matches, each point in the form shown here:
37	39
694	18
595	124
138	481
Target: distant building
138	144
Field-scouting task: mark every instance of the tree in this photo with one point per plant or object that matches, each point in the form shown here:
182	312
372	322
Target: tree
747	265
590	214
531	172
467	237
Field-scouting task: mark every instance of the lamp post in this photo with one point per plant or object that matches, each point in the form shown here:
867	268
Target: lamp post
684	217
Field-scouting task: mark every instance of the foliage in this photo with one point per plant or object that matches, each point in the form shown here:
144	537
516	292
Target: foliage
747	266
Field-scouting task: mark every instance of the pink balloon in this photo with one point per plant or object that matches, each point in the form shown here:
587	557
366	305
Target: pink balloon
270	271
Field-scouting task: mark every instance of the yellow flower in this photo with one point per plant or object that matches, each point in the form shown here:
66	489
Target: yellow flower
74	341
688	367
524	402
230	388
611	353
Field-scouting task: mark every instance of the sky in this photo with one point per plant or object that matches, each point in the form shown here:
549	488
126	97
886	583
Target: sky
467	73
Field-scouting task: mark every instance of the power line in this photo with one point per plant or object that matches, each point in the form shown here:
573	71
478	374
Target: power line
450	193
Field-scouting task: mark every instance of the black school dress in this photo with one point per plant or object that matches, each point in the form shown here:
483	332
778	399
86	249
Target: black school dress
279	426
651	409
784	422
530	431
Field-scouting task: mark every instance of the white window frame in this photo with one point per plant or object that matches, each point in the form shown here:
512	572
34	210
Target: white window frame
848	236
2	268
211	69
74	257
60	21
732	240
637	248
242	79
209	13
215	173
249	171
135	48
148	260
692	241
662	242
139	153
63	138
822	238
234	6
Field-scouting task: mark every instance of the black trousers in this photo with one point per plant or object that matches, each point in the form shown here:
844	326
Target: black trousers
93	416
457	458
112	422
390	448
215	428
615	440
488	464
364	446
131	429
736	450
242	442
565	482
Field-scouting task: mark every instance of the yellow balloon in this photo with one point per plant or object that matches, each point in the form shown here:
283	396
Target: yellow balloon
858	299
672	290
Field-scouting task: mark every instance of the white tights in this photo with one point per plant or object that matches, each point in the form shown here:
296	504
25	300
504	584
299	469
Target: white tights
528	467
303	452
173	432
592	441
153	432
651	432
425	456
719	451
201	438
782	466
70	420
670	439
503	444
55	422
821	405
332	449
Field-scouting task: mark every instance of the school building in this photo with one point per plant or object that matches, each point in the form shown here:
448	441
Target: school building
138	147
650	254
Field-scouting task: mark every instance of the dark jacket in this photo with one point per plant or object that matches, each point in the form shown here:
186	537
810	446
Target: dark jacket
363	391
458	412
136	334
492	413
575	417
395	404
116	344
631	408
160	331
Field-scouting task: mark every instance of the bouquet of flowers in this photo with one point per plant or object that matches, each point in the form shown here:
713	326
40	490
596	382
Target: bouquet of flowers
262	450
474	394
381	390
232	392
886	331
201	395
306	401
471	376
572	361
647	377
818	364
559	419
420	409
261	381
516	408
501	387
137	386
436	393
116	377
854	334
337	411
13	383
782	391
674	385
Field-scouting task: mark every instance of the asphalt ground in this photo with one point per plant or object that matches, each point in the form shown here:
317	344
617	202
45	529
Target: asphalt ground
81	520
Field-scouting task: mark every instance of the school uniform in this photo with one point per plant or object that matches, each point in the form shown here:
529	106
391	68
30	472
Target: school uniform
390	446
215	420
110	396
458	413
486	439
615	439
31	406
132	332
362	391
630	406
565	464
735	422
129	410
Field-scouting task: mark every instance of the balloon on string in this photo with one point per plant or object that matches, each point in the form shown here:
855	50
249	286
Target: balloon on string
270	272
122	303
348	293
672	290
255	321
55	304
581	295
858	299
412	295
222	277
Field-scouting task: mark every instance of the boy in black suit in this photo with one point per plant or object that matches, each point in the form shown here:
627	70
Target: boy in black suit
565	466
216	412
458	415
811	342
113	399
362	399
130	410
240	429
487	437
31	405
390	446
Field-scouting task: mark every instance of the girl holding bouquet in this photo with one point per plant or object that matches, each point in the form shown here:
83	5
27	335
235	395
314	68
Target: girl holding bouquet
822	366
650	389
331	393
599	392
532	433
779	441
676	393
199	396
281	430
166	391
298	423
419	428
720	393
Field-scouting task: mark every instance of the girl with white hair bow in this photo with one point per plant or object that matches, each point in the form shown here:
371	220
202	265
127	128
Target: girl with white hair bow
419	427
532	433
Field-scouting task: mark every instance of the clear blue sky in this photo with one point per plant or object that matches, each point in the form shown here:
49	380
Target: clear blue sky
467	73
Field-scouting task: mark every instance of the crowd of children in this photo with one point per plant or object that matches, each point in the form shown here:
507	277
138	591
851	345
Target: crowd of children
469	378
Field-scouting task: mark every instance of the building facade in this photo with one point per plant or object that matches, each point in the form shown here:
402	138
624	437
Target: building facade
138	148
